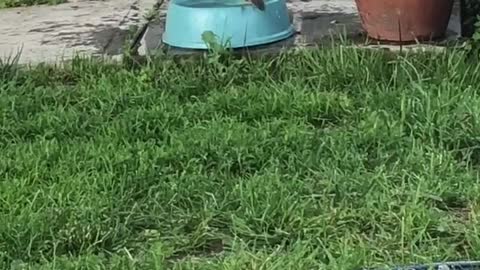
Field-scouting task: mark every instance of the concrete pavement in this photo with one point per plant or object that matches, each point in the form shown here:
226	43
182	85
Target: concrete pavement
53	33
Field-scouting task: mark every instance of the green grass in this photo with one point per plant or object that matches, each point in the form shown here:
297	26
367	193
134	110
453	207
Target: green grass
24	3
324	159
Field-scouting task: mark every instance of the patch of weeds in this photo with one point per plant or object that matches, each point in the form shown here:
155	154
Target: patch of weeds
24	3
473	45
9	68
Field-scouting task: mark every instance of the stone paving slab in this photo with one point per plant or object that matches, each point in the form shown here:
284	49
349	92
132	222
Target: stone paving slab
53	33
316	22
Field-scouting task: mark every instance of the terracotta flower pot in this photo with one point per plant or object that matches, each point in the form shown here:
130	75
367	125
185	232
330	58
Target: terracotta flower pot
405	20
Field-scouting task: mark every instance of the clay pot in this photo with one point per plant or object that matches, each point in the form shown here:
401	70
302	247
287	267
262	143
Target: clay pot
405	20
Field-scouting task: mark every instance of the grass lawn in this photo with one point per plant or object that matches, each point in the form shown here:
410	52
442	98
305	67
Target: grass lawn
328	159
23	3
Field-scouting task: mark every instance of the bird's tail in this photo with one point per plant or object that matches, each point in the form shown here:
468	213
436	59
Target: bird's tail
260	4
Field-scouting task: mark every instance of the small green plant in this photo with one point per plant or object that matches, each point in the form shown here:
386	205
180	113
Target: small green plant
470	10
470	19
476	35
473	45
9	67
219	53
214	45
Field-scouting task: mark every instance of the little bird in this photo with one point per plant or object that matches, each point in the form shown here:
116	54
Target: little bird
260	4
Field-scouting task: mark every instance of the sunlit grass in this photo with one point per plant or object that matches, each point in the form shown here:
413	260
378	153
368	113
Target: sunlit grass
325	159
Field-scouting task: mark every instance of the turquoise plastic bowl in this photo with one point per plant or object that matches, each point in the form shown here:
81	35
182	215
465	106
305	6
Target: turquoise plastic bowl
235	23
